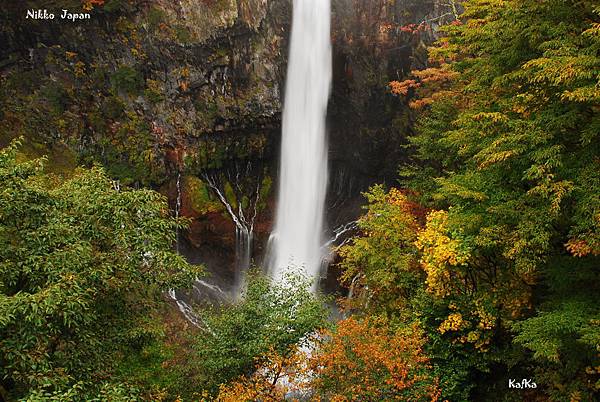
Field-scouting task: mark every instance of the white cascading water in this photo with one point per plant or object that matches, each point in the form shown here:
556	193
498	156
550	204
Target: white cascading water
297	237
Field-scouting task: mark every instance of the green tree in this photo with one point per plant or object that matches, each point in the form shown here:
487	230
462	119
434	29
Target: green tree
270	317
381	267
82	266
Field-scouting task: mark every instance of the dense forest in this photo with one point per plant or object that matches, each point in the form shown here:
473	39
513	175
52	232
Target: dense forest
473	270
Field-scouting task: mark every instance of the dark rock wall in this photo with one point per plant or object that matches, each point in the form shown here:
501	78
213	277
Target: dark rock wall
194	83
374	42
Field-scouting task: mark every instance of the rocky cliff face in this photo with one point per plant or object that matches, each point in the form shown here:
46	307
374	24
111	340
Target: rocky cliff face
157	90
375	42
148	86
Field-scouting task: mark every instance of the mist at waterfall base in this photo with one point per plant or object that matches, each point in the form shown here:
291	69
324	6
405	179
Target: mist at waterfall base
297	239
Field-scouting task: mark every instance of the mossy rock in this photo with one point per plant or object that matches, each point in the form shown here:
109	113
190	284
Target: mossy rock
128	80
60	160
230	196
200	197
57	97
265	190
155	18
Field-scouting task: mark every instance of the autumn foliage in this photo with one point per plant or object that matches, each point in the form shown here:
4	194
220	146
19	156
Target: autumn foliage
362	359
428	85
276	376
506	159
90	4
365	360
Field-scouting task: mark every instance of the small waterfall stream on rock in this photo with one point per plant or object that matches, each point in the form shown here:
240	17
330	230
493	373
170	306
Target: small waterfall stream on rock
177	208
182	305
297	237
244	228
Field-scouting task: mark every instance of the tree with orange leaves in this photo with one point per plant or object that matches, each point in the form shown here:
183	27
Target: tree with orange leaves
365	360
276	377
90	4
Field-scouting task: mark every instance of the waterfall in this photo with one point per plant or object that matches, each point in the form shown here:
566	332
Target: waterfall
339	232
297	237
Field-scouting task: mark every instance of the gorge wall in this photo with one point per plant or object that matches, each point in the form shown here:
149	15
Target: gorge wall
156	91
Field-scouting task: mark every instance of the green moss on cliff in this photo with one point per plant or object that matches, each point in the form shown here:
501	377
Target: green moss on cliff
200	196
230	195
155	18
128	80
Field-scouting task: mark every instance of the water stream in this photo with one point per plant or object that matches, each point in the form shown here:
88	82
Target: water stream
177	208
298	233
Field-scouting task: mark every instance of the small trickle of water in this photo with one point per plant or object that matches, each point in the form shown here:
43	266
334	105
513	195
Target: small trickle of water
177	209
297	237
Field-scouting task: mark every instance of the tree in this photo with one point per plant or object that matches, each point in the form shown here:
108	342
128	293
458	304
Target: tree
507	152
82	265
276	377
366	360
270	317
390	276
381	266
361	359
